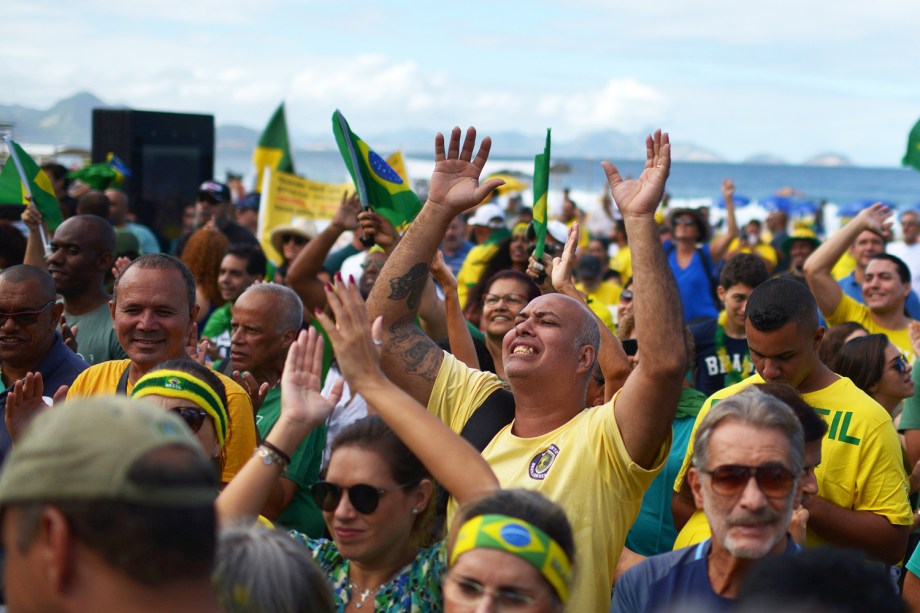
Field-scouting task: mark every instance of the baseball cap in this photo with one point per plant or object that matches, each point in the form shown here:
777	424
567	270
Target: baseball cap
250	201
85	450
489	216
217	192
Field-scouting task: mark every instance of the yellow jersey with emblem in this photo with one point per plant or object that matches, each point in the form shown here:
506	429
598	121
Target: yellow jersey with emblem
861	462
582	466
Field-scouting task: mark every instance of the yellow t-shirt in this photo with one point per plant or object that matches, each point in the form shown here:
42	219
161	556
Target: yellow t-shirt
607	292
241	436
850	310
622	263
584	237
861	467
471	271
582	466
844	266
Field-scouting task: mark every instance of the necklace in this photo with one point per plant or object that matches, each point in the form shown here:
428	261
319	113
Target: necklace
364	594
732	376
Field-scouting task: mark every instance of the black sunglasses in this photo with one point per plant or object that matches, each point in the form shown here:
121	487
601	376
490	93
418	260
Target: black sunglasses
192	416
296	238
626	295
730	480
24	318
364	498
901	365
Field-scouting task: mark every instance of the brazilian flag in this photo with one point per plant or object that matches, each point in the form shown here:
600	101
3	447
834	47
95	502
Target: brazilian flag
274	148
912	157
540	189
13	189
379	186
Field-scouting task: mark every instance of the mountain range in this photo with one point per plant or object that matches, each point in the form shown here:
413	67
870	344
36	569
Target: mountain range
69	122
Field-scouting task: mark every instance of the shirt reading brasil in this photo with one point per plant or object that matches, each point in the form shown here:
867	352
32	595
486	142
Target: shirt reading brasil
861	467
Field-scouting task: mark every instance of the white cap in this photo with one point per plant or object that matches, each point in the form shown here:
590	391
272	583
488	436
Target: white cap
488	215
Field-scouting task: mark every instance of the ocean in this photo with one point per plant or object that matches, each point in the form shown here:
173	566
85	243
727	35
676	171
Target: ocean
690	183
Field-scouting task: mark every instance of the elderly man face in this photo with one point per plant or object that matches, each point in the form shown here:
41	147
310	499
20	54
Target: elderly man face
258	339
28	319
748	510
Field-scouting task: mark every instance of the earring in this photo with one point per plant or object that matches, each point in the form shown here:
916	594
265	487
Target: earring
415	511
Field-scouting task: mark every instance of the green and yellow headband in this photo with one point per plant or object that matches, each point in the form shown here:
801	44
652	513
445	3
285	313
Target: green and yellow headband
178	384
519	538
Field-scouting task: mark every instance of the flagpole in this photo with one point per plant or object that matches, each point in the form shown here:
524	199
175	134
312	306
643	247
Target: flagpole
367	239
25	184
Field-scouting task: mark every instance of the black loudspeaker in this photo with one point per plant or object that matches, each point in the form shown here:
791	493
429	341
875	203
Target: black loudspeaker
169	156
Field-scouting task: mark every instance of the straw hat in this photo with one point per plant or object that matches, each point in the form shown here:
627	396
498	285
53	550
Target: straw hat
301	226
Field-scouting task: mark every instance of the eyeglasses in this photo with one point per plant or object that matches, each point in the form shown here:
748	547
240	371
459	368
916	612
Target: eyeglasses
24	318
508	299
730	480
192	416
295	238
901	365
626	295
685	221
364	498
466	592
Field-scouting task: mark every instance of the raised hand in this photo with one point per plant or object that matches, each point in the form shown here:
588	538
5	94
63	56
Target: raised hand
120	265
564	264
641	196
876	218
442	273
302	404
356	351
728	189
376	226
256	392
23	403
346	216
455	180
69	335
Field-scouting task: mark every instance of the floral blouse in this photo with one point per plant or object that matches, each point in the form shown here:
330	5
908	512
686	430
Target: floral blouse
416	588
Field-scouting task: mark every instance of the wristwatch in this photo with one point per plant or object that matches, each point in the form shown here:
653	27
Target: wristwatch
270	457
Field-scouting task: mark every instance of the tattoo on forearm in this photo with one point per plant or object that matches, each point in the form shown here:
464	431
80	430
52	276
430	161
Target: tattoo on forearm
410	286
418	354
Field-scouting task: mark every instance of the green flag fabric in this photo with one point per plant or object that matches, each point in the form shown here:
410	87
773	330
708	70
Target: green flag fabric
540	189
12	190
912	157
274	148
379	186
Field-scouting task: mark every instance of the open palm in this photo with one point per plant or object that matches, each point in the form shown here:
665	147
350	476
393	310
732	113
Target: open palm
641	196
455	180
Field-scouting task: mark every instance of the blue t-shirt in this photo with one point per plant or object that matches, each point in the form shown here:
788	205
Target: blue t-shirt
694	285
674	581
709	377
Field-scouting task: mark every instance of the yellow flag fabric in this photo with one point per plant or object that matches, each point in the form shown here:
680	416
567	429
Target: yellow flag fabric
398	164
289	196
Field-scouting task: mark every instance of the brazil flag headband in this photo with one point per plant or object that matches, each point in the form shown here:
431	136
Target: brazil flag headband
178	384
521	539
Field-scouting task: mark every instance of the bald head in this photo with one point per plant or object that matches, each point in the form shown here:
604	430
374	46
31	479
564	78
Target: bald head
81	254
118	206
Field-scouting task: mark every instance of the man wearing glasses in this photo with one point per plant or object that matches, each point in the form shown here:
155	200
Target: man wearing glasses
213	204
746	475
29	342
862	501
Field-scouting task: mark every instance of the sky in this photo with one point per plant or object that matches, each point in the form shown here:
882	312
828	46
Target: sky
791	78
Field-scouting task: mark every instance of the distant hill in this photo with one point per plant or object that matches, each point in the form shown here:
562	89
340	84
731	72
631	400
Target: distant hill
828	159
69	122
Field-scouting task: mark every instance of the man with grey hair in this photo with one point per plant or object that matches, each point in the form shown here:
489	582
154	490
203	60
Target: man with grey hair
747	464
265	322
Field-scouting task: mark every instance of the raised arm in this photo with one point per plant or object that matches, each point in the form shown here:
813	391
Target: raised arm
646	404
718	246
302	275
458	333
451	460
819	264
410	358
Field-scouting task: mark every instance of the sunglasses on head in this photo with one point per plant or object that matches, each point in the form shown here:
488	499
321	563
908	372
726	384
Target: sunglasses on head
296	238
363	498
192	416
24	318
730	480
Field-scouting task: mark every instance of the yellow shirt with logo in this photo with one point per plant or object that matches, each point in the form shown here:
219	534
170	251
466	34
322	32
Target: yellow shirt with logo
850	310
861	464
103	378
582	466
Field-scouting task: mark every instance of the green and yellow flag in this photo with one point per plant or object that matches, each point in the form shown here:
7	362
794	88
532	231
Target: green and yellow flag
274	148
540	189
912	157
379	186
14	191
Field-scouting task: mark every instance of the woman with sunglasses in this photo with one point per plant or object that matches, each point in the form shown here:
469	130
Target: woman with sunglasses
197	395
289	240
877	367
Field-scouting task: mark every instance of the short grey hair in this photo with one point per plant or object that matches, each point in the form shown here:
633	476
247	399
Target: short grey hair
258	569
588	332
289	304
754	408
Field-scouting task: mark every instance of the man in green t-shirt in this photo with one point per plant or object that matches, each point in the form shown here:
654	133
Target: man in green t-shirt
266	320
241	266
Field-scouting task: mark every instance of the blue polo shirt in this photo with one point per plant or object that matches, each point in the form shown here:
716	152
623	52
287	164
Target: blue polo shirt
60	367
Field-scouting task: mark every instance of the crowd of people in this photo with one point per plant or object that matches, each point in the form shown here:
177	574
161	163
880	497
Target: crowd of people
664	417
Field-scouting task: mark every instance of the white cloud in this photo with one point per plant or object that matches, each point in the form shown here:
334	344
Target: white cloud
621	102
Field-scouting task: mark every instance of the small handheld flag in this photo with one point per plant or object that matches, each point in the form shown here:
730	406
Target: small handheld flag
540	189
